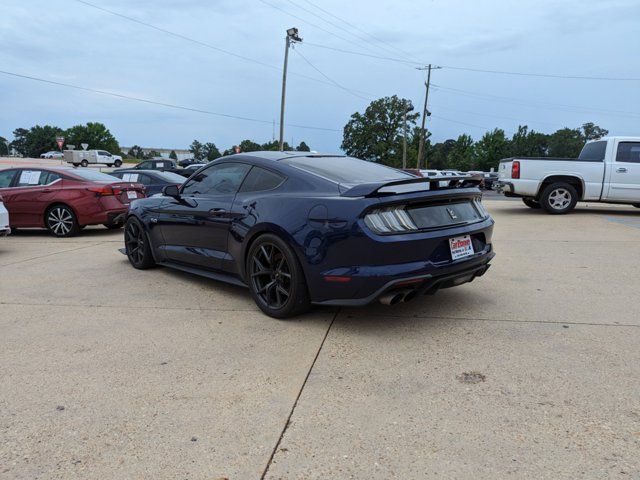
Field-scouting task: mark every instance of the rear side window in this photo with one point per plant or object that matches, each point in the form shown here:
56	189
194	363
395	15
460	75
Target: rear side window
6	176
628	152
219	179
260	179
30	178
593	151
347	170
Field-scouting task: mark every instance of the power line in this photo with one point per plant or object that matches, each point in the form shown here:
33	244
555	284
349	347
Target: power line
352	52
468	124
535	103
406	55
197	42
544	75
162	104
341	28
315	25
329	78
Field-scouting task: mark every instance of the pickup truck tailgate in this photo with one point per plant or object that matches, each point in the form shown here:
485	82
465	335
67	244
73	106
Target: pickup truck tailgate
504	169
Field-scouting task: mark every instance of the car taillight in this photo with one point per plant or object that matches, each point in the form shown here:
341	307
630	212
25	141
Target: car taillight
103	191
390	220
515	169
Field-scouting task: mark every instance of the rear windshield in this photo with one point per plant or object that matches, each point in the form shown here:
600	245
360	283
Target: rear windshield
171	177
94	176
593	151
347	170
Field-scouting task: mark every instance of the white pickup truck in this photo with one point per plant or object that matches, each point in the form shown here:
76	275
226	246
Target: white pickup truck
607	170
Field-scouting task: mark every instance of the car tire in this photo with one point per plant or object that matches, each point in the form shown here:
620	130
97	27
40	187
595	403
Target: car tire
137	245
113	226
61	221
84	163
275	278
117	163
637	205
559	198
531	203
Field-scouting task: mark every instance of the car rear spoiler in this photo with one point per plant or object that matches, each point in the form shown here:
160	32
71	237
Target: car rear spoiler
405	186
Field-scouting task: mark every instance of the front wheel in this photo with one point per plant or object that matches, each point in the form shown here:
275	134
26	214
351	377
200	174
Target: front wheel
559	198
84	163
137	245
61	221
118	163
530	202
276	279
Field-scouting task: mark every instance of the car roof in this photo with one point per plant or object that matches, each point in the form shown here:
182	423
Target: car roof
273	155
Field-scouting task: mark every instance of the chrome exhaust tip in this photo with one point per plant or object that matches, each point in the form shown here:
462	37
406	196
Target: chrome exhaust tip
392	298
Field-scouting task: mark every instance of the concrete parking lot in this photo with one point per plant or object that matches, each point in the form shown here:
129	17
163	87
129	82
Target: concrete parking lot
533	371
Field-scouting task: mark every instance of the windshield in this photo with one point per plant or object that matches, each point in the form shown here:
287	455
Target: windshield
347	170
593	151
94	176
171	177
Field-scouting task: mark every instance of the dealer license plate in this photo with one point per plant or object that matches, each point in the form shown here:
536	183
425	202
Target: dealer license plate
461	247
131	194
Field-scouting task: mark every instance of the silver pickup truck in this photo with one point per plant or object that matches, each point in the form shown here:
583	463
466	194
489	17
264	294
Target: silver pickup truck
607	170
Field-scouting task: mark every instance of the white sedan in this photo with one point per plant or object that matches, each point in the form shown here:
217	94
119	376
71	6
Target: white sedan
4	220
52	154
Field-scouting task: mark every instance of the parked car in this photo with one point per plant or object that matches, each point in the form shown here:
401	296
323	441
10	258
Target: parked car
607	170
83	158
4	220
63	200
190	170
299	228
153	180
490	178
52	154
187	161
159	164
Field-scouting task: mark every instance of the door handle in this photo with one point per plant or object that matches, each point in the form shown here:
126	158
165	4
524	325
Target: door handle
217	212
47	190
621	170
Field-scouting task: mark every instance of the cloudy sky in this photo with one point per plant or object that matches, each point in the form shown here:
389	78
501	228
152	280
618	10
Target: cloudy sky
70	42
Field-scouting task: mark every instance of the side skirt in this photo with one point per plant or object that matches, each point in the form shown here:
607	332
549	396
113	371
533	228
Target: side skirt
222	277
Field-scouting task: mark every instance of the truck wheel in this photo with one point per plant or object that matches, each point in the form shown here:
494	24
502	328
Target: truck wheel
84	163
559	198
530	202
118	163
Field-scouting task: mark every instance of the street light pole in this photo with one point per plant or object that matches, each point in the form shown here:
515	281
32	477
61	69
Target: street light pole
292	37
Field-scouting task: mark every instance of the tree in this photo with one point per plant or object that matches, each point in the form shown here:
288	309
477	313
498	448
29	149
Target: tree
525	143
461	155
3	146
153	154
566	142
36	140
377	134
249	146
210	151
438	155
196	149
303	147
591	131
173	155
136	152
490	149
96	134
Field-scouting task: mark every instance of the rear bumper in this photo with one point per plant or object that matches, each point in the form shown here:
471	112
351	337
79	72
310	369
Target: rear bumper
448	276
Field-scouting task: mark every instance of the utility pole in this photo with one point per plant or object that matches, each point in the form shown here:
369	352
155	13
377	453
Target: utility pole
404	141
292	37
425	113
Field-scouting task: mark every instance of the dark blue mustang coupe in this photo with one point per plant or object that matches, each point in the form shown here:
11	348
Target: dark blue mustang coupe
301	229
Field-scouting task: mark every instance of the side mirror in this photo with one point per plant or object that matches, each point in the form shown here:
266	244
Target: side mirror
171	191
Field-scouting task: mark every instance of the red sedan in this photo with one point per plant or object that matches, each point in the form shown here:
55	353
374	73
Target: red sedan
63	200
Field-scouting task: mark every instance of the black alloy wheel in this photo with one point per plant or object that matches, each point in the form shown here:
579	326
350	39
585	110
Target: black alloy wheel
61	221
137	245
275	278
